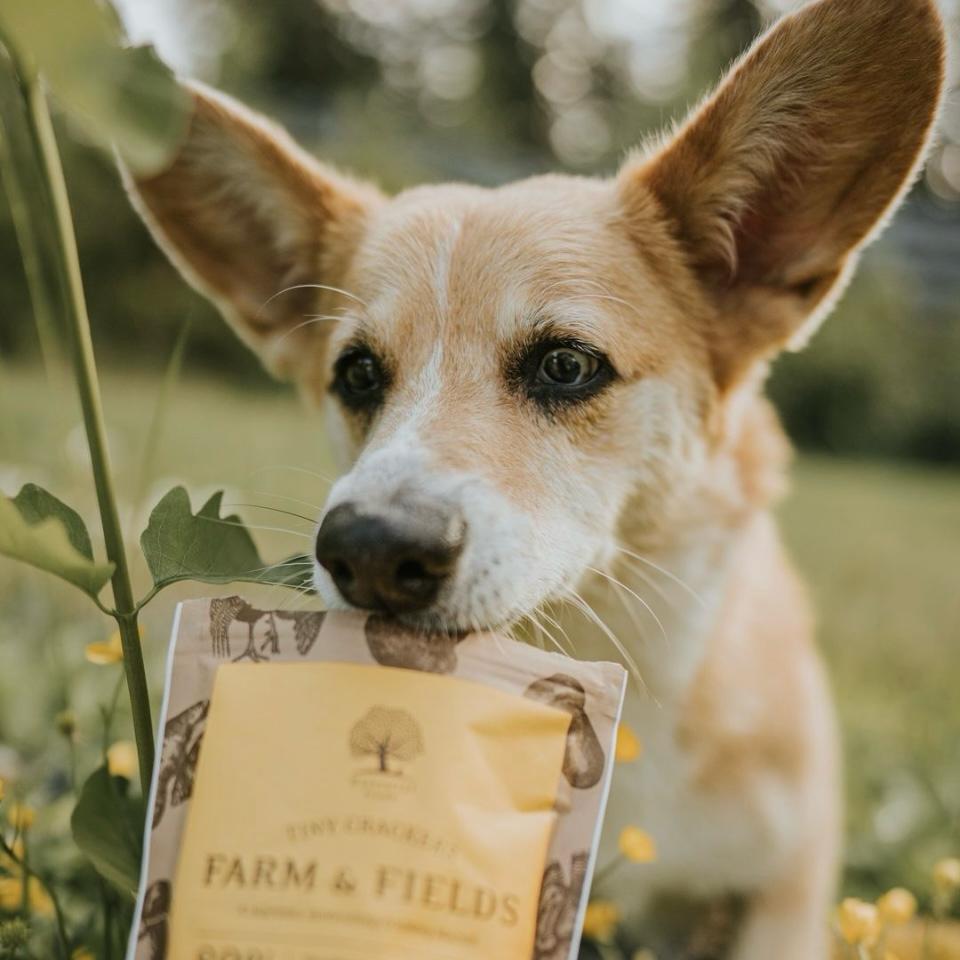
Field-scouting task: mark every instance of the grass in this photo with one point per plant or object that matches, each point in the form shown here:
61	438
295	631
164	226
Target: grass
878	544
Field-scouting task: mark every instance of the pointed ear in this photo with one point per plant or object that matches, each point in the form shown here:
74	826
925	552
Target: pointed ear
775	182
247	216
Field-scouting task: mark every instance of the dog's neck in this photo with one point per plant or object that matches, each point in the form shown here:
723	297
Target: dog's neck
661	597
661	606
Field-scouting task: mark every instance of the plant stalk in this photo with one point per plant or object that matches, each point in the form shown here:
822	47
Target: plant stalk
28	874
78	323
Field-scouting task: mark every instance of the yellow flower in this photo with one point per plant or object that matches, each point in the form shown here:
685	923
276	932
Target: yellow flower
11	895
81	953
628	746
601	920
946	875
897	906
644	955
21	816
122	759
637	845
858	922
12	864
105	651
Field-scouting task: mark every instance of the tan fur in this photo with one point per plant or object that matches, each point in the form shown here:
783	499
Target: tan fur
690	270
244	212
775	181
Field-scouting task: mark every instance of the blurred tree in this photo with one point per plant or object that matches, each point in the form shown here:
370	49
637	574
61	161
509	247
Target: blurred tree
489	90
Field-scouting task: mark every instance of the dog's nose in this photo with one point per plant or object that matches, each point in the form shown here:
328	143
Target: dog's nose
396	560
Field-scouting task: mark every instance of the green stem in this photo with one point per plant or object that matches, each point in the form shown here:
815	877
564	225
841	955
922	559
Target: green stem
89	389
25	886
107	902
108	714
152	442
29	243
605	871
27	874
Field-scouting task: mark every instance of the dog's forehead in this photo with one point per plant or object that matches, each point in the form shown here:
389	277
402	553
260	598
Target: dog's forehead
474	261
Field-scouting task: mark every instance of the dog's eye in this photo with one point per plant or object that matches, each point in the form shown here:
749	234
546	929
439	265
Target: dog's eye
358	378
567	367
560	372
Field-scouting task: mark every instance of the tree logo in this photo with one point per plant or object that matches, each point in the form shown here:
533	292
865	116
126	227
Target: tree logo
391	739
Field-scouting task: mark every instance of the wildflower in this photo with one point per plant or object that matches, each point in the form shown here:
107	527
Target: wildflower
11	895
637	845
12	864
628	746
122	759
601	919
81	953
946	875
858	922
21	816
104	652
897	906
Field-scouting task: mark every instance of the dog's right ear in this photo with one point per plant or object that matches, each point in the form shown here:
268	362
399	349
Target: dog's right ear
776	182
248	216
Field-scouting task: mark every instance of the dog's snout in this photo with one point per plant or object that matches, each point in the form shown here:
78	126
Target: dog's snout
395	560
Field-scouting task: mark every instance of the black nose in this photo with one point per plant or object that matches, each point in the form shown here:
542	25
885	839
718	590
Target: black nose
395	560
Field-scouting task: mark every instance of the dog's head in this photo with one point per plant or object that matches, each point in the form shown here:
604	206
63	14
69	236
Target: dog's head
519	377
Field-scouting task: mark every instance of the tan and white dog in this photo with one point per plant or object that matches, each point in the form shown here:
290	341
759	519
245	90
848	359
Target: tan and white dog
549	400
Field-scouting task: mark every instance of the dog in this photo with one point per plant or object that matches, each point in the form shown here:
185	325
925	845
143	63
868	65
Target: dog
548	400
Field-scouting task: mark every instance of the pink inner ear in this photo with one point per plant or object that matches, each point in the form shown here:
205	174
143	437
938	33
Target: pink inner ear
808	143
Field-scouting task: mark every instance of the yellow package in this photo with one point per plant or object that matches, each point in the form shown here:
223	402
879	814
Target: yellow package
356	812
329	788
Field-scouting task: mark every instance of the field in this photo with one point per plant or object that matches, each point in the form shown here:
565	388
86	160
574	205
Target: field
878	543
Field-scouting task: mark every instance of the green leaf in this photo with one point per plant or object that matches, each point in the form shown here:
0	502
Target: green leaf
121	95
107	826
181	545
41	530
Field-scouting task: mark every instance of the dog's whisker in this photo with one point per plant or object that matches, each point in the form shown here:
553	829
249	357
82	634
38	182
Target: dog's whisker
285	466
281	496
263	506
594	618
633	567
672	576
255	526
636	596
556	623
604	296
312	286
302	597
311	319
292	563
533	618
631	611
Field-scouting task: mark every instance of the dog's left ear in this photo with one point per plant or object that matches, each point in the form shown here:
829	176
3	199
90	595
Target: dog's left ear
777	180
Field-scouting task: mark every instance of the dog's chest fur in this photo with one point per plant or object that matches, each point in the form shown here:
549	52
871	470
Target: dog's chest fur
716	838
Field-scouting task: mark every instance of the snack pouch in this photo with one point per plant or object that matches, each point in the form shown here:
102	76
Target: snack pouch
369	793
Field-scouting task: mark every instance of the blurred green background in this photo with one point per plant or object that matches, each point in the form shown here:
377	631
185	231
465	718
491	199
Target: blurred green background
489	90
